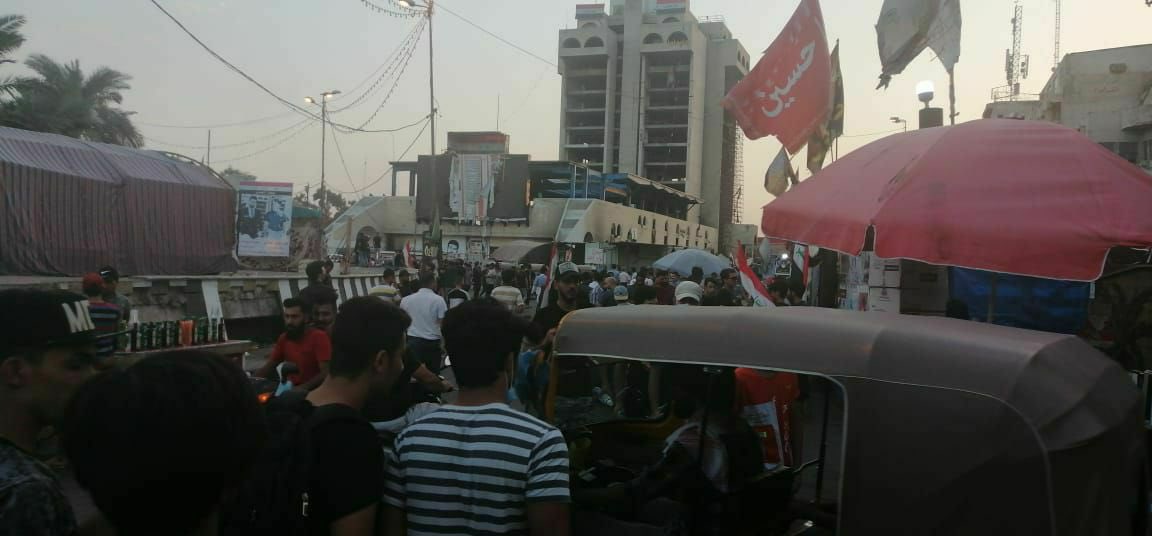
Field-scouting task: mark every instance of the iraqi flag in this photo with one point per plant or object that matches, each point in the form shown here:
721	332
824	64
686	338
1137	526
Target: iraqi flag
553	261
751	283
409	262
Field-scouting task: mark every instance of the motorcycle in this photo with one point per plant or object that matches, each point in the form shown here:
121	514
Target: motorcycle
269	388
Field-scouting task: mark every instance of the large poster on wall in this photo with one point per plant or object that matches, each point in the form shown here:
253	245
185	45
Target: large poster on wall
473	187
263	219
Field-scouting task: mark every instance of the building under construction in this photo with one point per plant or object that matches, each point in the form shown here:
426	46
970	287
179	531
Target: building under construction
642	85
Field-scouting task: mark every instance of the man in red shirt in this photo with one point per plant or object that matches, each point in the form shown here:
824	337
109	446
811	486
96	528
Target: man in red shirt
768	402
308	347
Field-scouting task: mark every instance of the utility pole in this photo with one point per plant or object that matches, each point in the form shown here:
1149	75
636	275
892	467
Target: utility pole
324	98
434	231
209	157
323	152
436	234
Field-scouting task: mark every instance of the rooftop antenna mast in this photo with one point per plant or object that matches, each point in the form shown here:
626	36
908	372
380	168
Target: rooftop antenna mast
1016	63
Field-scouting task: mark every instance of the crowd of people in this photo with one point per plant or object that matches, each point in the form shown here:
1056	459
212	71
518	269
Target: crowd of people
180	444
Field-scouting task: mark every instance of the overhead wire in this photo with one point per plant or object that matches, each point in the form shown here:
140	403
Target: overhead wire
404	14
866	134
221	125
395	83
387	60
401	157
307	125
389	66
343	163
228	145
497	37
292	106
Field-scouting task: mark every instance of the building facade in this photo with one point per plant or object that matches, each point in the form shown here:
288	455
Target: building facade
641	90
604	218
1105	94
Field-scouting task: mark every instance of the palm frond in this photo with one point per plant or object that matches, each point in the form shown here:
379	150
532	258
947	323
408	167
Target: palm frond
105	84
10	36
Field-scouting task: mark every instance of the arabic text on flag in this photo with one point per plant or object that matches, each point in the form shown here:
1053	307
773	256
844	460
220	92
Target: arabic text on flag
788	92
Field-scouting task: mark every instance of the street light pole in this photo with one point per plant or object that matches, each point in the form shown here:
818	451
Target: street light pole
901	121
324	98
323	154
434	231
436	235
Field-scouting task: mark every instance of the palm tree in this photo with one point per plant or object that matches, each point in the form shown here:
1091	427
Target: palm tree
63	100
10	40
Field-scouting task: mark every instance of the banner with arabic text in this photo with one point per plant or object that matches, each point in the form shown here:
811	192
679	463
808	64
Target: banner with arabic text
787	94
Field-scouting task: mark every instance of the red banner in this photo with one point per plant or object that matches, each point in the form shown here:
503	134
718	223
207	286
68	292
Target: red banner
788	92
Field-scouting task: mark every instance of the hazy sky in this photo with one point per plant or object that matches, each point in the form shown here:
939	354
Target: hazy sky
299	48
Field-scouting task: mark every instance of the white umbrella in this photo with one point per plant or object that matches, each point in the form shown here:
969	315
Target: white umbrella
684	260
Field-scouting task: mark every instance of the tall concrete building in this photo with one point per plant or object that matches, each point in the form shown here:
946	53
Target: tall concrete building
1105	94
641	93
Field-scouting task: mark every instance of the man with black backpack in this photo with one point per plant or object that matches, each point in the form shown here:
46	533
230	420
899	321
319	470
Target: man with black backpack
323	470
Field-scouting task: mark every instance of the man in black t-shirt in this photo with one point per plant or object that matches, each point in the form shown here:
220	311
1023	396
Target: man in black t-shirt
727	295
347	475
568	290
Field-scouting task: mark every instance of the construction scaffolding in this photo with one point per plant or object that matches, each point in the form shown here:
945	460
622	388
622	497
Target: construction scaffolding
738	180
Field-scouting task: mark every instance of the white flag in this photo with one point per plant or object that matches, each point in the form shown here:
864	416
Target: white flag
779	174
907	27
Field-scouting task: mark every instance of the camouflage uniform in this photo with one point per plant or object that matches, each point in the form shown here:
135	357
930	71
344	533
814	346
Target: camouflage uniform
31	500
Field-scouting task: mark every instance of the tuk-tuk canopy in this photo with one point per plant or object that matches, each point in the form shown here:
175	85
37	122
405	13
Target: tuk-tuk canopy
951	426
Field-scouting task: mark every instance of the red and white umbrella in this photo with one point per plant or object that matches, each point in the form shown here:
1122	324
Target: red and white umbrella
1019	197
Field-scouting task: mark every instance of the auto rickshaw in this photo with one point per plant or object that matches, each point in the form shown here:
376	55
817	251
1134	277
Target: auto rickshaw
950	426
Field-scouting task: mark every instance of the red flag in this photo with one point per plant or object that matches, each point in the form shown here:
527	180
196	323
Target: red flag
409	262
750	282
788	92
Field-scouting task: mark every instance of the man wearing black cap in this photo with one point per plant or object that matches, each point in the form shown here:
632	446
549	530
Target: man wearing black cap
47	347
567	286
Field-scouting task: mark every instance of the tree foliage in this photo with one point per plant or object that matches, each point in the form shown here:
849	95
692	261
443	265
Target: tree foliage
10	40
237	175
61	99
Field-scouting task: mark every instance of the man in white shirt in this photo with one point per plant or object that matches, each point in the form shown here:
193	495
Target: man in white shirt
539	284
426	308
624	277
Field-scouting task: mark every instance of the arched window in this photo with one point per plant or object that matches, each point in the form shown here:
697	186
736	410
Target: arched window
589	25
671	19
677	37
593	42
588	239
571	42
653	39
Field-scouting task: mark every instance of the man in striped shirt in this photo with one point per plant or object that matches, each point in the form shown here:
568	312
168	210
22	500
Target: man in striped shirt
479	467
105	316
